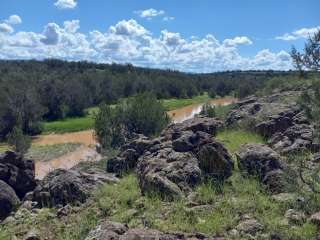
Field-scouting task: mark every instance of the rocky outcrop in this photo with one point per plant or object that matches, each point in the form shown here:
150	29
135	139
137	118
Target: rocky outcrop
117	231
62	187
176	161
8	200
261	161
17	172
278	118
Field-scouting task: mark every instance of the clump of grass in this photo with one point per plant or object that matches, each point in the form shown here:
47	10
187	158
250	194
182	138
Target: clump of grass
48	152
234	138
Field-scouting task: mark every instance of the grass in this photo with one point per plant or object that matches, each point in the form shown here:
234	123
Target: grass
48	152
3	147
69	125
174	103
234	138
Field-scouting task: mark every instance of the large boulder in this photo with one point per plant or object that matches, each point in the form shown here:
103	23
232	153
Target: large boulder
17	172
8	200
279	119
62	187
116	231
261	161
174	169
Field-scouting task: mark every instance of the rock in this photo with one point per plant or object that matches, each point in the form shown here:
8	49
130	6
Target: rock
64	211
295	217
32	235
285	198
112	231
8	200
62	187
168	172
260	160
249	226
17	172
282	122
315	219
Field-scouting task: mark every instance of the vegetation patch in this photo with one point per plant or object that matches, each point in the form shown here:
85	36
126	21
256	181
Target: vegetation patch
174	103
48	152
69	125
233	138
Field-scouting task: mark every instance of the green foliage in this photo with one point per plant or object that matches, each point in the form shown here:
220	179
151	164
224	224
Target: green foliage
208	110
109	126
141	114
144	114
74	124
234	138
19	142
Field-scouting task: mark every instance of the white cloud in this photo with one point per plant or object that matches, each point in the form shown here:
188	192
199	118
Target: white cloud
167	18
149	13
65	4
5	28
51	34
13	19
301	33
237	41
128	41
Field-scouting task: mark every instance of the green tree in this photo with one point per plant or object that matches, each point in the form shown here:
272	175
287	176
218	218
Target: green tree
18	141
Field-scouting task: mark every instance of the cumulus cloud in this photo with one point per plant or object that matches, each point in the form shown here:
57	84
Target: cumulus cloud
298	34
149	13
13	19
5	28
128	41
65	4
51	34
237	41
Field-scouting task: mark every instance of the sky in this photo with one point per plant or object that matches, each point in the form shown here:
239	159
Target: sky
185	35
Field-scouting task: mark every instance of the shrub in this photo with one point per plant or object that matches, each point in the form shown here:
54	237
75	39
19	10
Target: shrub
142	114
208	110
18	141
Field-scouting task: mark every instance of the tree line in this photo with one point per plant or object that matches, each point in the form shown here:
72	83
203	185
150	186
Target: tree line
32	91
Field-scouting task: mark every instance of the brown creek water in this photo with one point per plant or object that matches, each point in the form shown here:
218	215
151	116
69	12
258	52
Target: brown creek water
87	152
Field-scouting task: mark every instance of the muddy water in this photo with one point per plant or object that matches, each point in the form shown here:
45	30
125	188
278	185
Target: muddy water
184	113
84	153
87	153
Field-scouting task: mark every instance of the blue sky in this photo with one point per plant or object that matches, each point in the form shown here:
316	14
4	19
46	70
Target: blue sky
193	36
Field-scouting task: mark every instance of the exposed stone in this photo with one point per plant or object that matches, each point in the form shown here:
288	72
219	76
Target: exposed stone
282	122
260	160
315	218
32	235
61	187
116	231
294	216
8	200
17	172
250	226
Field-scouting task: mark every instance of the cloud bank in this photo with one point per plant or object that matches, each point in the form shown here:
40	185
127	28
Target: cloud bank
298	34
129	42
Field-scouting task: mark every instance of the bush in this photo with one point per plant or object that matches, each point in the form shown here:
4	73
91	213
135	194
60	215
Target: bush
19	142
142	114
208	110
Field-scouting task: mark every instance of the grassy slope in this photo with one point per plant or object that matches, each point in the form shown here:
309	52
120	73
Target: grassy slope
84	123
124	203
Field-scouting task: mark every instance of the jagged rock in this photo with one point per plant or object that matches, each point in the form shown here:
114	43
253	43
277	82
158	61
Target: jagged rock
61	187
260	160
249	226
315	218
295	217
116	231
168	172
32	235
282	122
8	200
17	172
